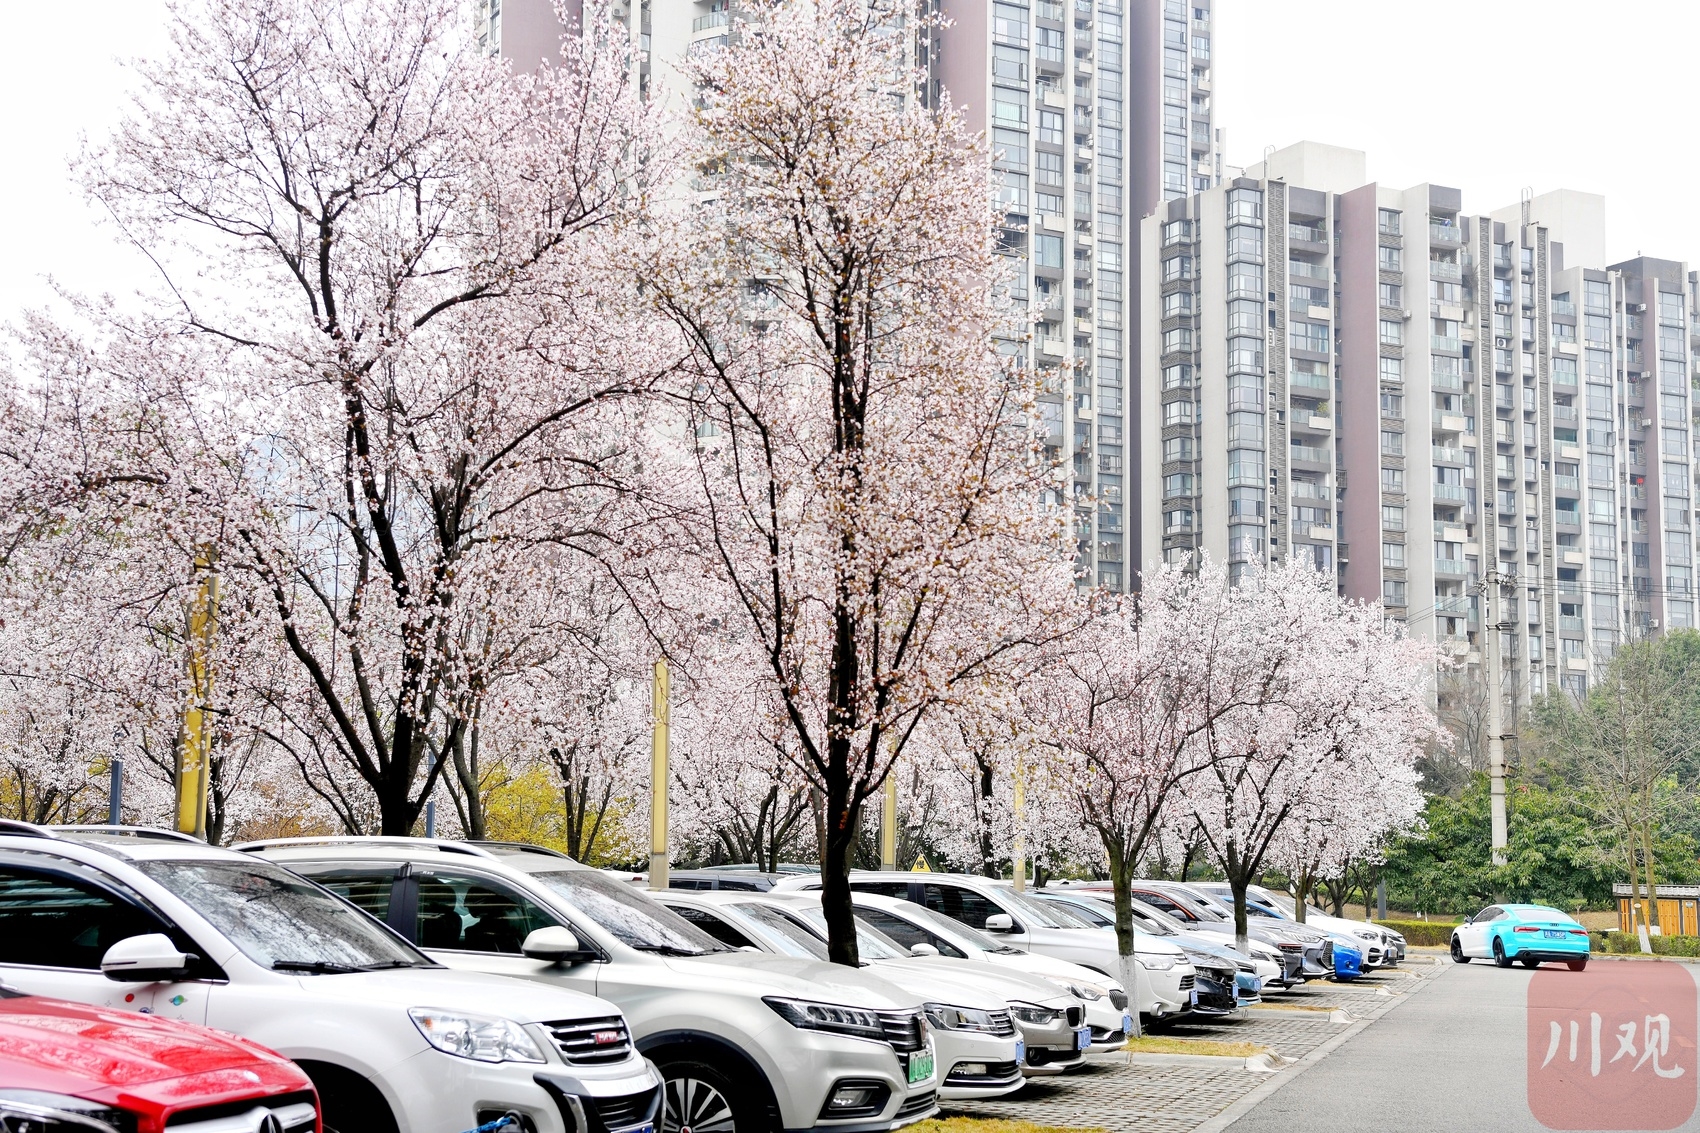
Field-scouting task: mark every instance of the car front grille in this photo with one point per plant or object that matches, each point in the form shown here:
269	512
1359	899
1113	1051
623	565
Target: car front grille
1118	999
1076	1015
1186	983
590	1042
628	1111
916	1104
1003	1025
296	1113
902	1030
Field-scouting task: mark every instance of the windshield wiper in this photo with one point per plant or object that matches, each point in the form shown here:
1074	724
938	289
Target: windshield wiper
381	965
314	967
1006	950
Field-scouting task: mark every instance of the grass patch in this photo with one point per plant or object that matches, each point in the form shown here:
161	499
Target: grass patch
1162	1044
993	1125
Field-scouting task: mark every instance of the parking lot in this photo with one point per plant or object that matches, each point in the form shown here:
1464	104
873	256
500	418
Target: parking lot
1179	1093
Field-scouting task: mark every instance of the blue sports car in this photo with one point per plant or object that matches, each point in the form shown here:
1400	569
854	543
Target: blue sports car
1529	933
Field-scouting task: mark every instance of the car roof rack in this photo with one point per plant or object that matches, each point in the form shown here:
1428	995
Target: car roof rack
152	833
526	846
21	829
443	845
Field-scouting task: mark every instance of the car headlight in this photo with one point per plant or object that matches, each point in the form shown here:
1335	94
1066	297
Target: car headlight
482	1038
1160	962
1085	991
840	1020
1366	934
1034	1014
948	1018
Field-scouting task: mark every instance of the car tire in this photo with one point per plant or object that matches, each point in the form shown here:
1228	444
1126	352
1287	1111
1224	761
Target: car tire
1500	959
348	1101
1458	956
702	1097
1576	965
1530	961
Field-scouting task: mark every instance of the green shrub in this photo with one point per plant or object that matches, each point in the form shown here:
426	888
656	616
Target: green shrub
1430	933
1629	943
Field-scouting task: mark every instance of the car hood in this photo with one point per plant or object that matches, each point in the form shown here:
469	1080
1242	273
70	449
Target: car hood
999	985
1050	968
93	1052
1103	939
769	974
452	989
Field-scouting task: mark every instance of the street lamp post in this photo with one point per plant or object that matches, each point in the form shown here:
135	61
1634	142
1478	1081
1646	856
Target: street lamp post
659	693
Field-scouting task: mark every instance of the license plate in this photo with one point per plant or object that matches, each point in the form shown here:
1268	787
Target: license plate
1127	1024
1021	1052
1554	934
1194	995
920	1066
1083	1038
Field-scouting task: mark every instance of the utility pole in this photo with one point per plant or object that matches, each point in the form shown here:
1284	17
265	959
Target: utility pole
1019	851
659	694
115	793
1492	590
888	823
193	769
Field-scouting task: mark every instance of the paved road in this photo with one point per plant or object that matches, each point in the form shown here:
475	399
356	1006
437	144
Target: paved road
1449	1058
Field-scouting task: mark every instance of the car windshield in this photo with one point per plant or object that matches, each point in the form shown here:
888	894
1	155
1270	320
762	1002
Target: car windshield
963	936
281	921
1206	908
1039	912
1080	918
783	934
633	919
871	943
1155	921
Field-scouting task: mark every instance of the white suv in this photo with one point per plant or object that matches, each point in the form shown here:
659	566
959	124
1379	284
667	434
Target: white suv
155	922
744	1041
1164	976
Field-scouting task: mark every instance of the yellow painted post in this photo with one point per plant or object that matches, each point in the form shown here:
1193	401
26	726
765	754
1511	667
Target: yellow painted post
658	779
888	824
1019	853
194	752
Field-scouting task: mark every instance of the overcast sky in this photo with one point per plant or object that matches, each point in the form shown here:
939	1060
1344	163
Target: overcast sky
1487	96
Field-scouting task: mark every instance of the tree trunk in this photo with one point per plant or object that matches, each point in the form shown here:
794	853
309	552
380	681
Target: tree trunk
835	877
1302	886
1121	881
1634	882
1652	883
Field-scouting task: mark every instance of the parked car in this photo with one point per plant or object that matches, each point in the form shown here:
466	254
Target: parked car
1204	950
1529	934
980	1048
1308	954
1165	977
1382	947
64	1063
925	932
757	1040
1344	951
154	922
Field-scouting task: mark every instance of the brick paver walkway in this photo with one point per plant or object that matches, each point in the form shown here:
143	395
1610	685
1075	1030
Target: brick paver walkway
1125	1097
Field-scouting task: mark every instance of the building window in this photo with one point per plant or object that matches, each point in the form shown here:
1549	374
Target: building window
1393	370
1177	484
1392	405
1596	296
1392	332
1245	206
1177	448
1393	479
1049	170
1047	251
1392	295
1392	444
1393	554
1387	221
1009	67
1051	127
1308	336
1177	413
1390	259
1392	592
1009	24
1392	517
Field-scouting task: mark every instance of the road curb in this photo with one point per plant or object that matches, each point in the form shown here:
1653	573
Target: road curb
1250	1101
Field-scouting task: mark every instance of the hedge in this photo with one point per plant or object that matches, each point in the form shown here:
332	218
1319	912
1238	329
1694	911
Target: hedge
1623	943
1437	934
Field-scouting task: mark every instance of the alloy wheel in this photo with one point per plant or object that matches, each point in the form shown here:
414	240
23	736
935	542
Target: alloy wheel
694	1106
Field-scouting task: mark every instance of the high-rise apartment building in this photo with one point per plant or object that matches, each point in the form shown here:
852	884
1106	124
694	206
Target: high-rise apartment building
1423	402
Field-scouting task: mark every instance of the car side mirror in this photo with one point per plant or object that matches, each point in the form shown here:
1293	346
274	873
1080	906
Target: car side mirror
1000	922
554	945
923	950
1469	920
150	958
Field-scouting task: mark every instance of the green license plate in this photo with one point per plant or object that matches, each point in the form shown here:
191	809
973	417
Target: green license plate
920	1066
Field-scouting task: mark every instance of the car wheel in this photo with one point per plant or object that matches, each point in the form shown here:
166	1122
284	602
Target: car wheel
1499	956
1530	961
1458	956
349	1103
698	1097
1576	965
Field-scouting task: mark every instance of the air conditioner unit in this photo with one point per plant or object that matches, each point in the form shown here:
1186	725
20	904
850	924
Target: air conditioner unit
1646	422
1638	308
1653	623
1405	314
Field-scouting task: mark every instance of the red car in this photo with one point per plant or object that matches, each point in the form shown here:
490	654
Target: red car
73	1068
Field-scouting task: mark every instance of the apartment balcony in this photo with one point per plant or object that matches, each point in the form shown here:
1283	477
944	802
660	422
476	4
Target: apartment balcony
1447	532
1307	454
1448	422
1446	381
1445	455
1450	493
1567	520
1454	567
709	22
1563	307
1571	627
1300	379
1454	605
1051	346
1564	414
1446	344
1447	273
1445	235
1303	238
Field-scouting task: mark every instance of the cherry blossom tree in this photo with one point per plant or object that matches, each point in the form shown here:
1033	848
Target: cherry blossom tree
1328	690
864	484
397	367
